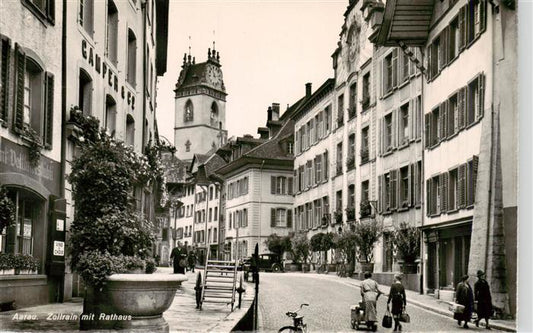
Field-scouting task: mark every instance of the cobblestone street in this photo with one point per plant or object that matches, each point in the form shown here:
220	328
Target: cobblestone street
329	305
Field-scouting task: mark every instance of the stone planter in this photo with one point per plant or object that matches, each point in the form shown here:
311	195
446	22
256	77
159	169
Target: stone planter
367	267
332	267
10	271
134	302
409	268
293	267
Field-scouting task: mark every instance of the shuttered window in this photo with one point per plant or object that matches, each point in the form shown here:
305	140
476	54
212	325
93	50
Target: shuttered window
472	167
326	165
48	110
18	105
5	55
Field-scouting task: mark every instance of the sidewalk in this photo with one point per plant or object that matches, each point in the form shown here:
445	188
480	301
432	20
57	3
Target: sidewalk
426	302
182	316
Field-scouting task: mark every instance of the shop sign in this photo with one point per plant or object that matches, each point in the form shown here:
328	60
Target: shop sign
95	61
14	158
59	248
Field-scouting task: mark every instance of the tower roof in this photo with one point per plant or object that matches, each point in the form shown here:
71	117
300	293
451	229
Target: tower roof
194	75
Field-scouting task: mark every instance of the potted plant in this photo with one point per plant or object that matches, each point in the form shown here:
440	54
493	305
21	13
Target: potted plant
367	233
300	249
338	216
365	209
406	239
110	241
7	264
347	244
7	209
350	213
25	264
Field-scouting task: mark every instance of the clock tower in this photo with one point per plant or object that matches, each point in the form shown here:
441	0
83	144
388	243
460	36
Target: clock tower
200	107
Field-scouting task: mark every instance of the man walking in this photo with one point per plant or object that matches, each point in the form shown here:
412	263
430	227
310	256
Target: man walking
179	255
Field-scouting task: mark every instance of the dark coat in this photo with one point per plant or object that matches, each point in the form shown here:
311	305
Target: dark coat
178	254
465	296
483	298
397	297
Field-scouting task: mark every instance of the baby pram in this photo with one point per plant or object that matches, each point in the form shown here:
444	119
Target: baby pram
358	317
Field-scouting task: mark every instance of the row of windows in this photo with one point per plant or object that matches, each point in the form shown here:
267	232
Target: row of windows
281	185
238	219
452	190
398	127
315	129
180	232
33	87
238	188
212	236
312	214
240	250
396	69
462	109
200	216
313	172
400	189
463	30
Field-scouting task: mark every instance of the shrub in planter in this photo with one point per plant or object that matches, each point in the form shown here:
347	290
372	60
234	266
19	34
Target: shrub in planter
24	263
347	244
366	234
7	209
322	242
406	238
7	263
300	248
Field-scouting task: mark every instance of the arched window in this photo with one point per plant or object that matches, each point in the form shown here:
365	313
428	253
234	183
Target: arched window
214	114
188	114
85	92
110	114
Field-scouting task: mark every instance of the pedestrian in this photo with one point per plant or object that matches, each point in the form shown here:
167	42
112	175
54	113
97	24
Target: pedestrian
398	299
370	294
483	298
191	260
179	254
465	297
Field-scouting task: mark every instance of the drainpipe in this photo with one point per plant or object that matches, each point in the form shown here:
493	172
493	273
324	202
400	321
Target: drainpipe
63	101
423	276
145	76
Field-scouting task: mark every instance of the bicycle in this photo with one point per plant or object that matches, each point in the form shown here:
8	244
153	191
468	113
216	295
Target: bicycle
298	323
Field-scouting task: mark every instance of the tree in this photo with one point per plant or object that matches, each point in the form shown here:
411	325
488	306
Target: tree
300	247
278	245
406	238
347	243
322	242
366	235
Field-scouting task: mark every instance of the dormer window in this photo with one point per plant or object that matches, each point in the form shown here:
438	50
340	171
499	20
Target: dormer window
189	112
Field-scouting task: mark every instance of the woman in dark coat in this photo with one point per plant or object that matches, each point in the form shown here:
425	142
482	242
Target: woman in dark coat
178	254
398	299
464	296
483	298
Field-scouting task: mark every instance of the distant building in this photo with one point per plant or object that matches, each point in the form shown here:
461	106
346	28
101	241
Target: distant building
258	181
200	107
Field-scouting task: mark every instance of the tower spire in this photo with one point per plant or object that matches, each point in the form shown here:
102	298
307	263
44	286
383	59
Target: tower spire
189	46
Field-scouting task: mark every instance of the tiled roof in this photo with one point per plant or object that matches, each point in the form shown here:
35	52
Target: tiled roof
272	148
191	75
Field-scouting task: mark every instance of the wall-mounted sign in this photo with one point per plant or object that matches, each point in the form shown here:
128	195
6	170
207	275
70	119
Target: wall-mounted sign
60	225
59	248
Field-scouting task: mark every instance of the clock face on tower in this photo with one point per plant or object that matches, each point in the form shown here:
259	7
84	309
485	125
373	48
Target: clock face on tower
214	76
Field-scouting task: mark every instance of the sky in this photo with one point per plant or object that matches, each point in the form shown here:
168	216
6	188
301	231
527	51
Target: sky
268	50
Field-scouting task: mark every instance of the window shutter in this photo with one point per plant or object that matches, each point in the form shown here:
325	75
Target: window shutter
462	27
51	10
395	67
428	197
297	142
49	110
461	186
289	218
290	185
394	128
427	121
383	78
443	120
410	180
475	161
444	194
481	90
461	109
394	189
272	217
482	15
326	165
380	194
412	119
272	184
5	49
416	184
20	68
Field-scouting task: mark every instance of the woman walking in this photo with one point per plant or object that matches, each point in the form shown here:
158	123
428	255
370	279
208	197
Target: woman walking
370	294
465	297
398	299
483	298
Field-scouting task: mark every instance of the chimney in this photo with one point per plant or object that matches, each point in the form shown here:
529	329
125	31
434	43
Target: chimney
308	89
269	114
263	132
275	111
